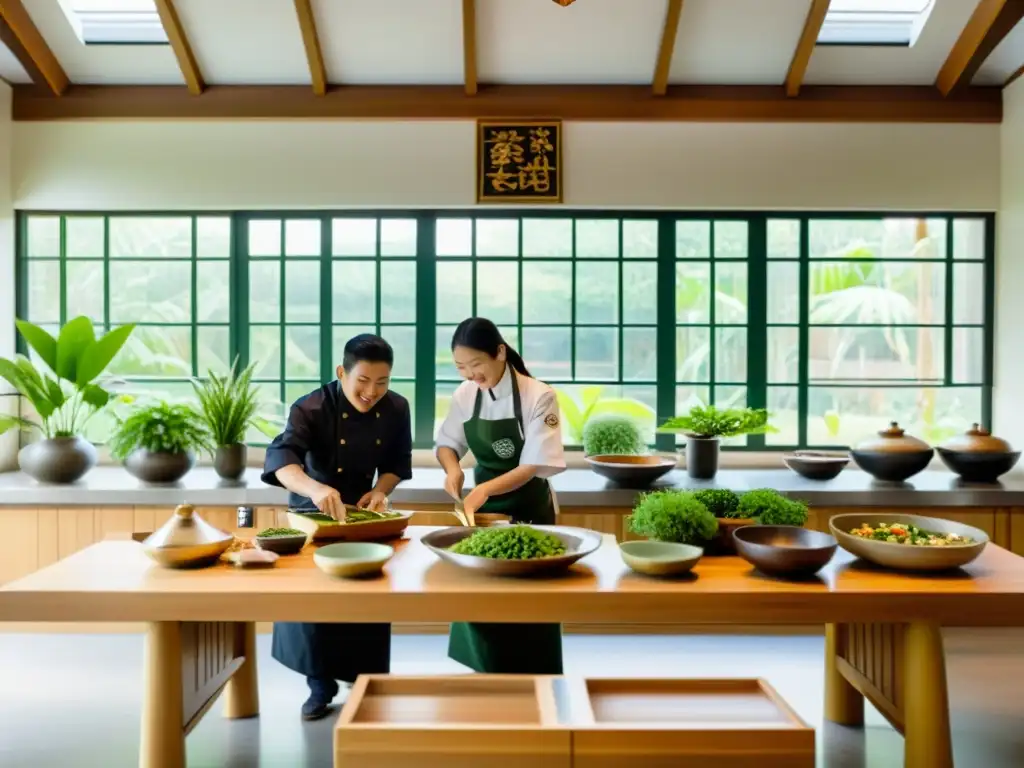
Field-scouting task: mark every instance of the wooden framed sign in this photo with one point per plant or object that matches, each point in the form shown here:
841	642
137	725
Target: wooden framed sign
519	162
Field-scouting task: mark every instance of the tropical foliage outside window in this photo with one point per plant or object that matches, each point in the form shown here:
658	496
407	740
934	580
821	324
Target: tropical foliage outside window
835	323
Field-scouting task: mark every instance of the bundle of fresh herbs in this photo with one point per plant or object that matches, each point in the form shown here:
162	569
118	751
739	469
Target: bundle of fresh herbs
511	542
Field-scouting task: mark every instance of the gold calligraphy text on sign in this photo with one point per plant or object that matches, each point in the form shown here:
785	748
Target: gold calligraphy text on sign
519	162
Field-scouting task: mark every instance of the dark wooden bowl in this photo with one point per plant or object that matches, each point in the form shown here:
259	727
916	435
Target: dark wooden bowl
784	550
631	471
816	465
282	545
892	466
979	467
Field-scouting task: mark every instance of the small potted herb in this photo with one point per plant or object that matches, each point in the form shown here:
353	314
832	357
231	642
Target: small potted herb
705	426
613	435
64	398
158	443
724	505
767	507
228	406
675	516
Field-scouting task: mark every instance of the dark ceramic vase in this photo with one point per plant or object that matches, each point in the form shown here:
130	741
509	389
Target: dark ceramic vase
155	467
229	461
57	459
701	457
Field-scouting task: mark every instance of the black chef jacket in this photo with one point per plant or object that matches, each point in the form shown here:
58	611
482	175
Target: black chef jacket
338	446
343	448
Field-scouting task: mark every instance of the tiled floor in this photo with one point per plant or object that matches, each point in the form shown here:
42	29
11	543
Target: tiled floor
73	700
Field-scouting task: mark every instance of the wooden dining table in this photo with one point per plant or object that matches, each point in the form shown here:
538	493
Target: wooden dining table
883	639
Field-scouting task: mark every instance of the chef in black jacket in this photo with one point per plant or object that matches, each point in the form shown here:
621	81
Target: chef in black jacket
336	440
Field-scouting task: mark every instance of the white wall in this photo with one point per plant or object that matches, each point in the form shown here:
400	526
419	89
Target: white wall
209	165
1008	413
8	442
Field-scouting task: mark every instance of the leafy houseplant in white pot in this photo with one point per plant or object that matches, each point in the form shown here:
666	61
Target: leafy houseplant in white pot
228	405
65	398
704	426
158	443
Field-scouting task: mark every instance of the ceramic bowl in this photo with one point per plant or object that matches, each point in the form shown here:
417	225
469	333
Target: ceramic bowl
349	559
659	558
979	467
892	466
903	556
816	465
784	550
282	545
631	471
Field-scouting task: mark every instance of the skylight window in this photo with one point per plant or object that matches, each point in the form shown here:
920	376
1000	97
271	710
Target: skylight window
115	22
874	22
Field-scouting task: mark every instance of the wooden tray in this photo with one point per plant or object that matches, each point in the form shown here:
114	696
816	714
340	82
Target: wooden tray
466	721
371	530
662	723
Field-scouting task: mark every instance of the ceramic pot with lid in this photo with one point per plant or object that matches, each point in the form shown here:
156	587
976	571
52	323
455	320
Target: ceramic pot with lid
977	456
893	455
186	541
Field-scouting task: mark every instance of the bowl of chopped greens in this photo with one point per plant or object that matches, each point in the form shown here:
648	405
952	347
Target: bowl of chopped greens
513	550
283	541
908	542
358	525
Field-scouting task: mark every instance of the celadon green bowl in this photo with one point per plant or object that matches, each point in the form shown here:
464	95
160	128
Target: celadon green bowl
350	559
660	558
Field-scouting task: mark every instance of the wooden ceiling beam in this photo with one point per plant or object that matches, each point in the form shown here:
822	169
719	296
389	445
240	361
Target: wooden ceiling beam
991	21
180	45
682	103
805	46
20	34
469	46
311	42
1013	78
667	48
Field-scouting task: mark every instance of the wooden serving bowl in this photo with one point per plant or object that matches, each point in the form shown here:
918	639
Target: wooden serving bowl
631	471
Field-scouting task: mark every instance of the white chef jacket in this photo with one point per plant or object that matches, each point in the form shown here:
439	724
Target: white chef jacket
541	420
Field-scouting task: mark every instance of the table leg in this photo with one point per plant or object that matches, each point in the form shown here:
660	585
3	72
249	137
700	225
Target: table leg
844	704
163	734
242	696
926	707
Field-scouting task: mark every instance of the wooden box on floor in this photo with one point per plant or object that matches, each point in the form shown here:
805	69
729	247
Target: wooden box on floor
468	721
662	723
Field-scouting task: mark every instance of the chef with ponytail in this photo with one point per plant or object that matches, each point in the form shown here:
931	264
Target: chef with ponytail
509	421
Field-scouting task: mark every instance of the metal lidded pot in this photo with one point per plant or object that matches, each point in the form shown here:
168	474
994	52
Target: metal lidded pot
893	456
977	456
186	541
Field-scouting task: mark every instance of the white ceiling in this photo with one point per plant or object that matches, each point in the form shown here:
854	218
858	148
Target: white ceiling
741	42
10	68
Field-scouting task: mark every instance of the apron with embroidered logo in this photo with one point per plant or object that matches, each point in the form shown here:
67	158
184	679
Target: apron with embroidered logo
507	648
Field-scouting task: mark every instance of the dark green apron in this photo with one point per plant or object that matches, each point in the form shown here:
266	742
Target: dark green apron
507	648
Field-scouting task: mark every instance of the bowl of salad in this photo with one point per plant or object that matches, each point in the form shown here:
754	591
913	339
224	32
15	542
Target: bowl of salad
908	542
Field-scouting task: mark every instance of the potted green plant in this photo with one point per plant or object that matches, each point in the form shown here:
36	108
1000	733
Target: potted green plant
765	506
673	516
228	406
613	435
158	442
64	398
705	426
724	505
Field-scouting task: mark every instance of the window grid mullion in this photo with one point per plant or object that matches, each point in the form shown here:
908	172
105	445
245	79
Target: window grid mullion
283	328
327	364
194	304
803	353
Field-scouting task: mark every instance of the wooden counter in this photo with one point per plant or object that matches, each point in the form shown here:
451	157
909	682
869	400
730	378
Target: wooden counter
883	639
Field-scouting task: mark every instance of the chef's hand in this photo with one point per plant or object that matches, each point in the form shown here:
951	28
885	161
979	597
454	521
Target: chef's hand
475	499
375	501
328	501
453	482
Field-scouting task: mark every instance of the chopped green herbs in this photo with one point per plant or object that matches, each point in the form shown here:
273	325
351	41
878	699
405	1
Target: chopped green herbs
513	542
269	533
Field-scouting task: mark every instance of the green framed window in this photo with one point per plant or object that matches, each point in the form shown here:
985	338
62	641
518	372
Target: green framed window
837	323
